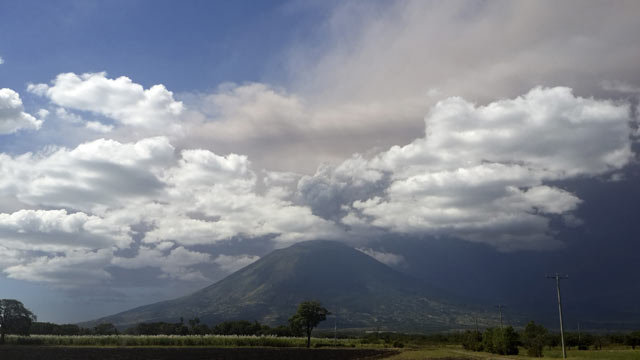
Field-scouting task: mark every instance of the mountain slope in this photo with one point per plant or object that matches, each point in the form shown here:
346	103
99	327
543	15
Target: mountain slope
360	291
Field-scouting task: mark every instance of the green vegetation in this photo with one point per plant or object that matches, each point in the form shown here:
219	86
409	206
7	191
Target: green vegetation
500	341
308	316
177	340
14	318
533	339
18	323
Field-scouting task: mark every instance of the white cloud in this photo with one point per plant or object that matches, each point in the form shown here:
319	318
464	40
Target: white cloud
273	126
76	268
223	189
12	115
175	264
479	172
194	197
1	60
390	259
120	99
57	230
98	127
233	263
92	177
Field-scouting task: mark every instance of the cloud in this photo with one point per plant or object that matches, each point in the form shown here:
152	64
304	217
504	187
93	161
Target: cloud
92	177
57	230
1	60
99	127
481	51
480	172
233	263
390	259
273	126
12	115
119	99
107	195
75	268
222	189
176	264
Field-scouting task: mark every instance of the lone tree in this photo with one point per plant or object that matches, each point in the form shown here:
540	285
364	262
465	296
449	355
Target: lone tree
14	318
309	315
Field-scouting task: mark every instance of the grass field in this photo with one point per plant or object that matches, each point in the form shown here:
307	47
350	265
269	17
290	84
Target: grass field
456	352
132	345
175	340
17	352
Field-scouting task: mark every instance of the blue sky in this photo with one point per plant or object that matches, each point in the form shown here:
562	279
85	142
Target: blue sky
187	48
150	148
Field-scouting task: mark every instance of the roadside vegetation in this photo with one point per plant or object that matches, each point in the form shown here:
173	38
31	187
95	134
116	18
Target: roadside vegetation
20	328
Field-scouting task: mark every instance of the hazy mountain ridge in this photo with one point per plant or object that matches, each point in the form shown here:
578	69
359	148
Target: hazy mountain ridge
359	290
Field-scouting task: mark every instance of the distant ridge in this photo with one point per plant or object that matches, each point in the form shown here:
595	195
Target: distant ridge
361	291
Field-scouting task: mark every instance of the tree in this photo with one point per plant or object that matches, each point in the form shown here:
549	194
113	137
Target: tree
632	339
472	340
14	318
533	339
105	329
500	341
309	315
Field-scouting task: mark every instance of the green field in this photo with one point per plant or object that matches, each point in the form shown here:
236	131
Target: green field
410	352
180	340
456	352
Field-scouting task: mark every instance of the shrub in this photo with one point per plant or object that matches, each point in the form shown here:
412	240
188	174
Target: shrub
533	339
500	341
472	340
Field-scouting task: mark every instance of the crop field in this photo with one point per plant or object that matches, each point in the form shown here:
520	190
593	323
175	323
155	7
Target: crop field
179	340
456	352
16	352
210	347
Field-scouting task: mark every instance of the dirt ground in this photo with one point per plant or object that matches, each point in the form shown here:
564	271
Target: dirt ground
185	353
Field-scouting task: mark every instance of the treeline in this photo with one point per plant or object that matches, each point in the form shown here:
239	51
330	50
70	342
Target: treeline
534	338
192	327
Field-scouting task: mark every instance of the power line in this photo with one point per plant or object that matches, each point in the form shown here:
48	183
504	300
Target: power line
558	278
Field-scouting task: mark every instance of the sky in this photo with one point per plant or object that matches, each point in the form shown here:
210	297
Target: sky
150	148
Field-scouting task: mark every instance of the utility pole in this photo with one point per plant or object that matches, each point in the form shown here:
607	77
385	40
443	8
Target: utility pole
579	337
335	330
558	278
500	306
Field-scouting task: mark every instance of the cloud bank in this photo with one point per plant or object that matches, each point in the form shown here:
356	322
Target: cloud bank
413	117
481	173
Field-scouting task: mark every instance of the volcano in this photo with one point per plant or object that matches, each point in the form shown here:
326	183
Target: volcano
361	292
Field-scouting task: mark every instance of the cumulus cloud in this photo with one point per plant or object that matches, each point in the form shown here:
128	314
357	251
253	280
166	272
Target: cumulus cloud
232	263
74	268
176	264
92	177
57	230
1	60
480	171
120	99
222	189
12	115
106	193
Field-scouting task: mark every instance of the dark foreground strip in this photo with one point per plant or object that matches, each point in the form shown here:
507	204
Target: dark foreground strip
185	353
